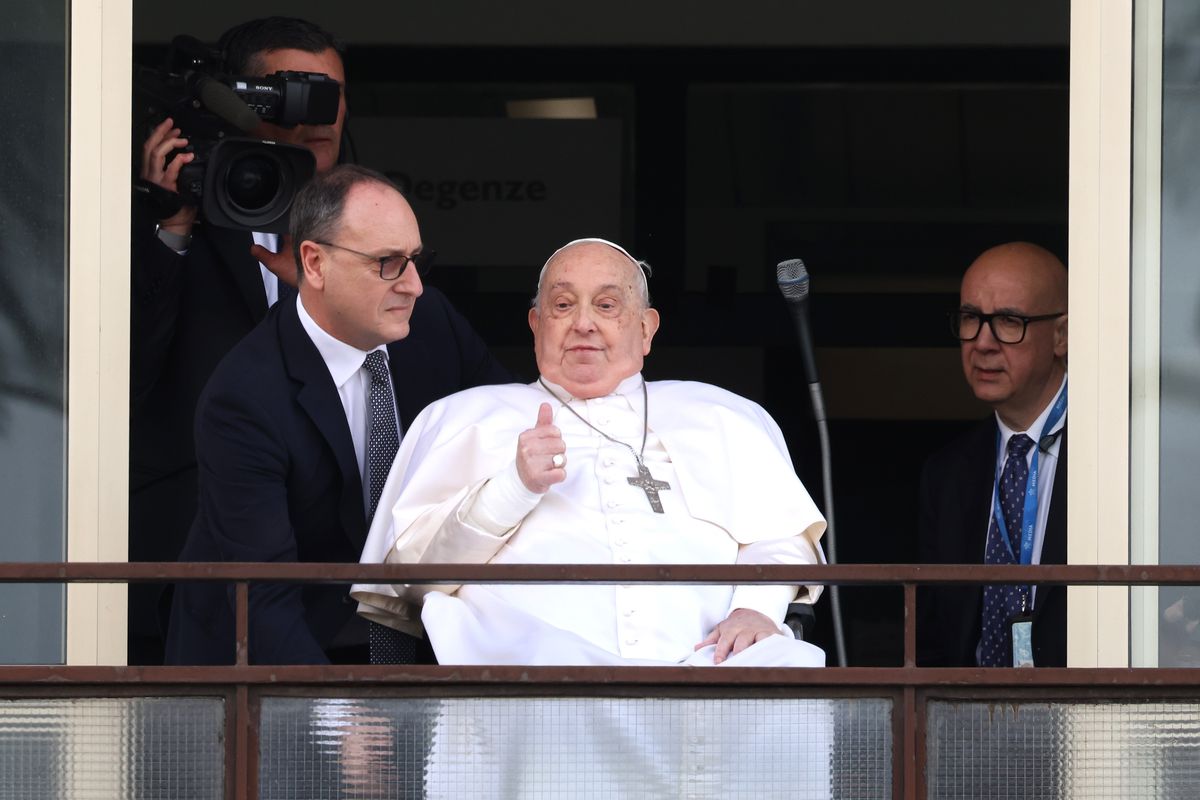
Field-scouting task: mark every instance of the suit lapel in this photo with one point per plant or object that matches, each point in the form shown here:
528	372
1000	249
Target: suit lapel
234	249
979	478
1054	546
400	364
319	399
965	540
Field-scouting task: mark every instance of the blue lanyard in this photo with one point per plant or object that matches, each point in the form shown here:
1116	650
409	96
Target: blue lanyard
1029	520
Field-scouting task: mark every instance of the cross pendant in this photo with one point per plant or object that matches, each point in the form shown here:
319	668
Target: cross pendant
646	482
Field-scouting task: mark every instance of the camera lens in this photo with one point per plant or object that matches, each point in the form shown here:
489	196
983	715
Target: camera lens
249	184
253	182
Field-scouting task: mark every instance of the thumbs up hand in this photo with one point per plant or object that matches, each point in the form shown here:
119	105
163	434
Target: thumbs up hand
542	453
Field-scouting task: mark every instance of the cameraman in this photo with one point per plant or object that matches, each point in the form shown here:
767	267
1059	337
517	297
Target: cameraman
197	290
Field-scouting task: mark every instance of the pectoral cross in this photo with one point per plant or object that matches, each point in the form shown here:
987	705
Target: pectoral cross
646	482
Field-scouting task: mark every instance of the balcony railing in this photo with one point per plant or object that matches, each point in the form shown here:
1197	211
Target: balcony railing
250	731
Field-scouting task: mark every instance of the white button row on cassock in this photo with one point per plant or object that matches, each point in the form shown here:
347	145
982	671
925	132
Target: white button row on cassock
622	505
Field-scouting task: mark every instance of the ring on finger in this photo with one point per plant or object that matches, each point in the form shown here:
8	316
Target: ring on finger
558	460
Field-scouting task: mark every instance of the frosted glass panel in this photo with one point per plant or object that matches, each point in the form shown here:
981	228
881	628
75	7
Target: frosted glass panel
1098	751
575	747
147	748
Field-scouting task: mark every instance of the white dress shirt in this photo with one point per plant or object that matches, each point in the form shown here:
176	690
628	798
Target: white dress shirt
345	365
1047	466
270	280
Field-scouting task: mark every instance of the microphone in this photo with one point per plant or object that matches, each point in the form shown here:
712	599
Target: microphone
1047	441
225	103
793	283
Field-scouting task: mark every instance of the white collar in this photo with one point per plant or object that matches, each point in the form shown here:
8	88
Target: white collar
1035	428
628	388
341	359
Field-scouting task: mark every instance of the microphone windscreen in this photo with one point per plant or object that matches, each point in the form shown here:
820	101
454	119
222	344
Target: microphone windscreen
793	280
225	103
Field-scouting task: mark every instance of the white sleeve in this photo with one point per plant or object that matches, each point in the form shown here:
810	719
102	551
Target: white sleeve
469	528
769	599
501	504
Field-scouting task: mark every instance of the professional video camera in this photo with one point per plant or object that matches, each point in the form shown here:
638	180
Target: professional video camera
238	181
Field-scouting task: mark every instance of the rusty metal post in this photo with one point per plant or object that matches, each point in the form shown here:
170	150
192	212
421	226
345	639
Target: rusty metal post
243	789
907	757
241	610
910	624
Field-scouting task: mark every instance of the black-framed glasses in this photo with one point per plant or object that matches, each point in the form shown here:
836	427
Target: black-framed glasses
1006	328
392	266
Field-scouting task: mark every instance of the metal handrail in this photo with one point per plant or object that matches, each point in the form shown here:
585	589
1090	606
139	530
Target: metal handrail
908	576
845	574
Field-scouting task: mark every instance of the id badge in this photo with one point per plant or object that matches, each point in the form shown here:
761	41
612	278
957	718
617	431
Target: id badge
1022	641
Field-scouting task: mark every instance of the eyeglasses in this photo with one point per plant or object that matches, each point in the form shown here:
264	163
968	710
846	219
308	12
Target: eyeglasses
392	266
1006	328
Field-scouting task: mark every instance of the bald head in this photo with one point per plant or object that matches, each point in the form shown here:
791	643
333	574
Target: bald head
1039	270
1020	379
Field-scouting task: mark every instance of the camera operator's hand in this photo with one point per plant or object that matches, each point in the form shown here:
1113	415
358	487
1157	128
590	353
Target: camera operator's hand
156	169
283	263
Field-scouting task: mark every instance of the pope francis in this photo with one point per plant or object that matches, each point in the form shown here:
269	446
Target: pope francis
591	464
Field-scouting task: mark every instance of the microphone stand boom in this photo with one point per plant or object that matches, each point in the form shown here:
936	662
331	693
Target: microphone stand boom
793	283
818	404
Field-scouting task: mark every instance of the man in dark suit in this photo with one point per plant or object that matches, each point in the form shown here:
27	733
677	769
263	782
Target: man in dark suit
284	430
196	291
1012	325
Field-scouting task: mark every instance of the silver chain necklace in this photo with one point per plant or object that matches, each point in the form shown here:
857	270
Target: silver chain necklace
643	480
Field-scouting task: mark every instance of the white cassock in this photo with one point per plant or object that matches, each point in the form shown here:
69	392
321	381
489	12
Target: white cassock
734	498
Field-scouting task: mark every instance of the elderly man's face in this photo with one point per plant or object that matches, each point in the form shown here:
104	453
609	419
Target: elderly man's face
590	328
323	140
342	290
1018	380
